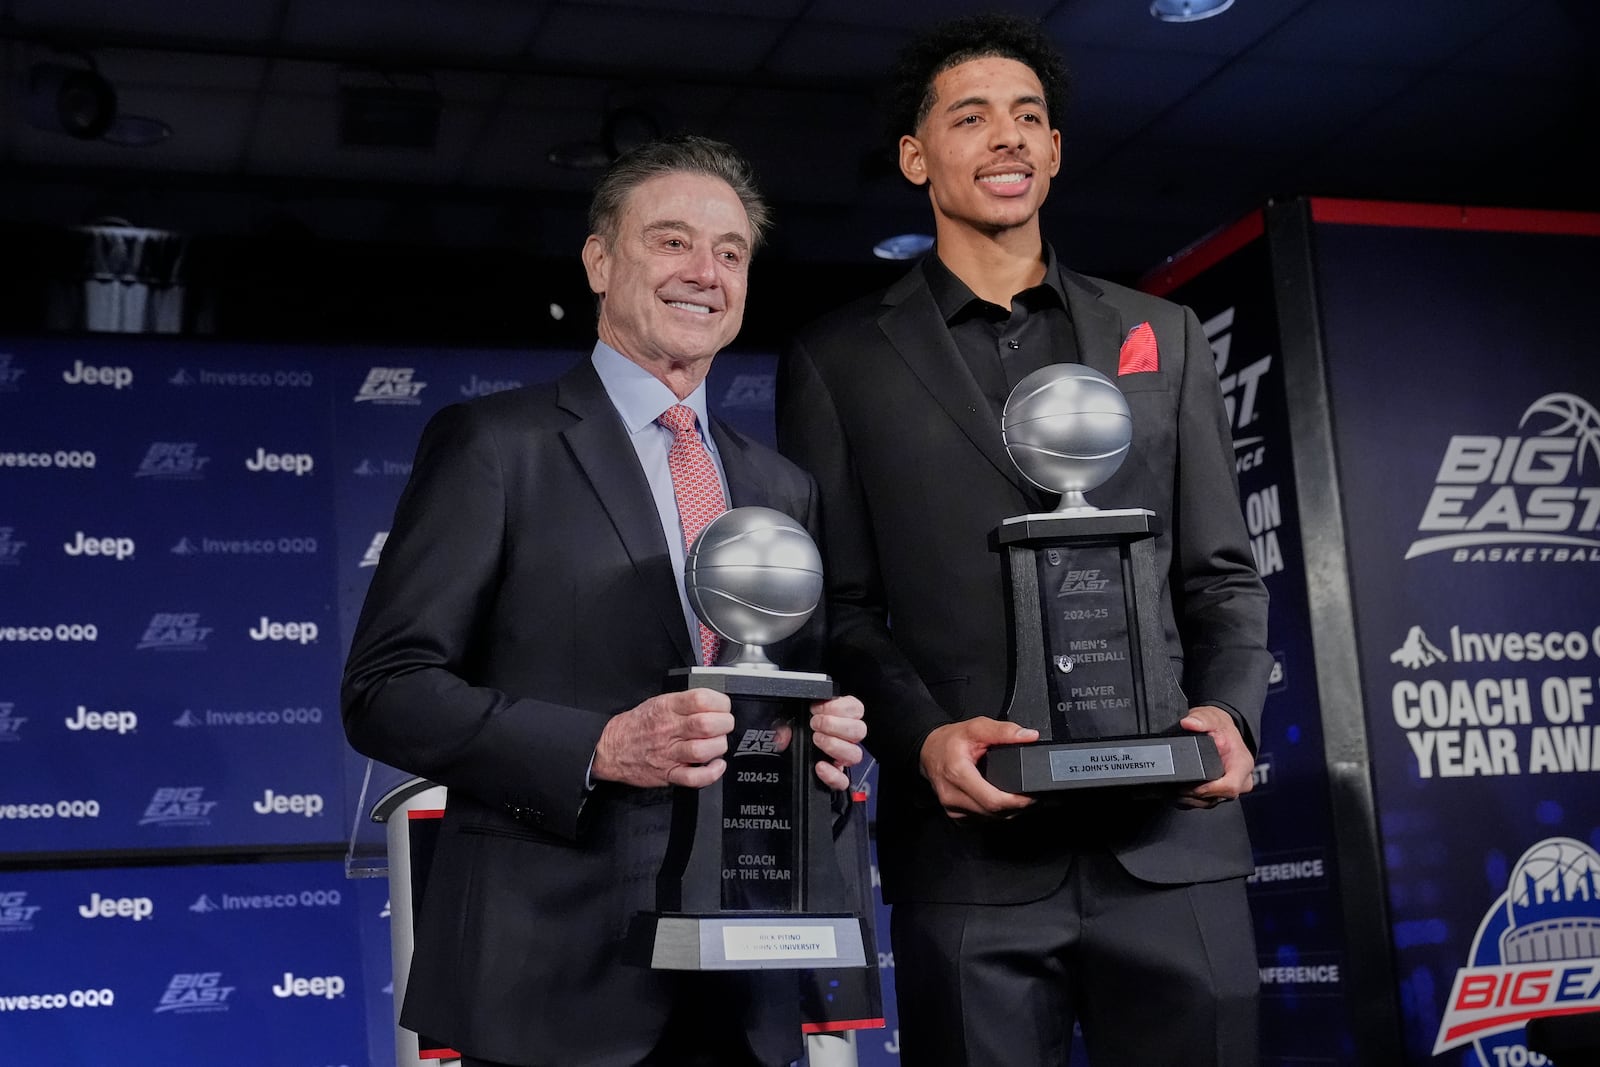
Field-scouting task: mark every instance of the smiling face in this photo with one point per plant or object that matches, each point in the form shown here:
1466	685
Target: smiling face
986	150
672	278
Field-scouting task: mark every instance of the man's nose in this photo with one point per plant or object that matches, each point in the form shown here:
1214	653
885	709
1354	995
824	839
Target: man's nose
1007	132
701	266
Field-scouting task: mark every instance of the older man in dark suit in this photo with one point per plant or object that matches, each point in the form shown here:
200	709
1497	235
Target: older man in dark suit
516	638
1014	919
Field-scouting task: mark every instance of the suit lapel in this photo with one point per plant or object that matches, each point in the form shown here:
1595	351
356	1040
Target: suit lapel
599	443
1096	323
746	486
912	323
914	327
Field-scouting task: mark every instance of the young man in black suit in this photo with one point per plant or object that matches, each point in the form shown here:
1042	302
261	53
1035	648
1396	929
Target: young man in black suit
1015	918
516	638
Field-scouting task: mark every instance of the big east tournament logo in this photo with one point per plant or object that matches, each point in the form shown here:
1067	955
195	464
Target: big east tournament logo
1536	953
1519	498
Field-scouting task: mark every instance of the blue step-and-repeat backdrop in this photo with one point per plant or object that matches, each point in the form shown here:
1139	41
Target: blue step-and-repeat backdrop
186	534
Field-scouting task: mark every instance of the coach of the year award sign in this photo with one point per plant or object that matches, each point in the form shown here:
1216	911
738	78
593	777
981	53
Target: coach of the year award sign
1089	663
751	856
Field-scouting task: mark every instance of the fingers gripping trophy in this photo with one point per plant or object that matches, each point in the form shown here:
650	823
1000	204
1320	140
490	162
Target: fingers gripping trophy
750	857
1090	669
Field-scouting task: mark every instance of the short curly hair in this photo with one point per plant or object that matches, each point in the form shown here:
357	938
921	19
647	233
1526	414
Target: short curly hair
960	40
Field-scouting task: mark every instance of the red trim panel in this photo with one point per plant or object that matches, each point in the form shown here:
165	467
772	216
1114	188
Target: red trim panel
1203	255
1453	217
835	1025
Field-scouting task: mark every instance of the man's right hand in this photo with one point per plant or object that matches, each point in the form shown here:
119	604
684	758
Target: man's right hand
950	764
671	739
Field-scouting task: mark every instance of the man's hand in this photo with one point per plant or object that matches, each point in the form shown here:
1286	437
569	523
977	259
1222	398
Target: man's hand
950	764
837	728
671	739
1238	764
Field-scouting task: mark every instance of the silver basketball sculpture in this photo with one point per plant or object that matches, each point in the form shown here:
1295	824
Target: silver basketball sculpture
1067	428
754	576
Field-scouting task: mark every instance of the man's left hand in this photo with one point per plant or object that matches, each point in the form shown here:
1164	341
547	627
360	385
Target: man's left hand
1238	765
838	729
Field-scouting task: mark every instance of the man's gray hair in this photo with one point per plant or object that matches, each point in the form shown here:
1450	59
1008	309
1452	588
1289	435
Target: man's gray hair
676	154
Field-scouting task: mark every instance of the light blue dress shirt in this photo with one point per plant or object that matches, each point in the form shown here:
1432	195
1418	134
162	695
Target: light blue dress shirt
640	398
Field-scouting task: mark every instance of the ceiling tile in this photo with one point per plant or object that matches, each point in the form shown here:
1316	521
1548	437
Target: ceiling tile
820	53
1116	92
475	33
1266	107
782	9
716	48
1544	38
1381	33
235	21
909	16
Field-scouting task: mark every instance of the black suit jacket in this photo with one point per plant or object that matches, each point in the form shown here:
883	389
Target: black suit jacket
524	596
876	402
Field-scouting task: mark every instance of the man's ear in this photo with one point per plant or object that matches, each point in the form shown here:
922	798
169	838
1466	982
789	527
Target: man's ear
912	164
597	263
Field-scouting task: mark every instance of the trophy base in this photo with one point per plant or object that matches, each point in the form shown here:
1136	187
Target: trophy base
755	682
1049	766
744	941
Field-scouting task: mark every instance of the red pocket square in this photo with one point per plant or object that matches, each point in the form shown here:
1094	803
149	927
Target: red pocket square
1139	351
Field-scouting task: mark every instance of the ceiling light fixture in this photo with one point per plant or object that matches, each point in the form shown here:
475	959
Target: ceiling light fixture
903	246
1188	10
136	131
75	101
80	103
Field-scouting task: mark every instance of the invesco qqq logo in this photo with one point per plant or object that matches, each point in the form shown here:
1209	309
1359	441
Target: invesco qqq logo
1535	954
1516	498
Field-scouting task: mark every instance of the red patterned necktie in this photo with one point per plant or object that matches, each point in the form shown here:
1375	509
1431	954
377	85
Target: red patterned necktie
699	491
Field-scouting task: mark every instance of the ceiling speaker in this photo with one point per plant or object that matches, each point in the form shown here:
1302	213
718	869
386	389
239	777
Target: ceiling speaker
75	101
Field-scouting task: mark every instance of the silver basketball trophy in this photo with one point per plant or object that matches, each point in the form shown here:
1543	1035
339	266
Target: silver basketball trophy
751	857
1090	668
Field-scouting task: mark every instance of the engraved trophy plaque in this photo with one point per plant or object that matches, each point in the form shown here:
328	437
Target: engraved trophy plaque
750	856
1090	668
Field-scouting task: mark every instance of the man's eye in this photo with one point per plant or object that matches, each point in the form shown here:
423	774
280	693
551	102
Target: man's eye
970	120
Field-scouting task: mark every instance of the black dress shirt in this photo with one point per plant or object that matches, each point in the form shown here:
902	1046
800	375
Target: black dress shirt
1002	345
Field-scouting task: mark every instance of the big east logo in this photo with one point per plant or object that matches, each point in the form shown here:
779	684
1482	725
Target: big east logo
760	743
1536	953
390	385
1523	498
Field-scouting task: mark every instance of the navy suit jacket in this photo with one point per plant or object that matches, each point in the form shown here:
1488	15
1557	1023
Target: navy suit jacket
876	402
525	595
